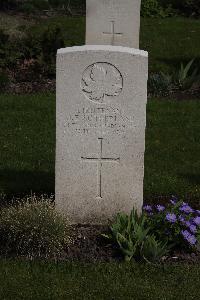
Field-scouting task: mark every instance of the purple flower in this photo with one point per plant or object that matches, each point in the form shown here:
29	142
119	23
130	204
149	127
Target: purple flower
174	200
198	212
160	208
193	228
196	221
190	238
147	208
186	208
181	219
171	218
187	223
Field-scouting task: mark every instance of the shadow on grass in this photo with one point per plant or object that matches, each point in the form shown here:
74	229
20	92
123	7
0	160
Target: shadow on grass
24	182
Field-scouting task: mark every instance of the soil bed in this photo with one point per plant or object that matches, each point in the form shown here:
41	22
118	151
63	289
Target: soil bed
90	246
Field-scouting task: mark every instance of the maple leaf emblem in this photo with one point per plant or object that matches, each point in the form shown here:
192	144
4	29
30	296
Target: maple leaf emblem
102	80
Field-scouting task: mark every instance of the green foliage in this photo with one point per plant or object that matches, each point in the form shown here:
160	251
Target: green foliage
159	84
51	40
186	7
33	228
27	8
185	77
152	8
33	54
31	6
154	249
182	79
132	237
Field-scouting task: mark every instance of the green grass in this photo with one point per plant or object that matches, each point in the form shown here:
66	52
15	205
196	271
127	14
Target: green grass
169	41
22	280
27	135
172	164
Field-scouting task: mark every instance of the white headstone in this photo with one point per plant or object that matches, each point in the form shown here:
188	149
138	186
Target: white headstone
101	118
113	22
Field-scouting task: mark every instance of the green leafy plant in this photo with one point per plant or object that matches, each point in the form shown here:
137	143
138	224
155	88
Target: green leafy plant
33	228
159	84
131	236
153	249
182	79
185	77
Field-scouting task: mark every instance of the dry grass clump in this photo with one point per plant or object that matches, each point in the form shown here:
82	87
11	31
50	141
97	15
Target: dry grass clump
33	228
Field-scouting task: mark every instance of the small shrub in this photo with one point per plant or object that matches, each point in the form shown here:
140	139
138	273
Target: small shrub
33	228
133	239
159	84
152	8
51	40
184	7
185	77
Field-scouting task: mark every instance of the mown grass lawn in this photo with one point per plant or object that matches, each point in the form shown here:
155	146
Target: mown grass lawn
21	280
27	147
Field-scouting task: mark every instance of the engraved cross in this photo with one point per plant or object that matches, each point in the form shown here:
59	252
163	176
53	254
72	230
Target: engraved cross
113	33
100	160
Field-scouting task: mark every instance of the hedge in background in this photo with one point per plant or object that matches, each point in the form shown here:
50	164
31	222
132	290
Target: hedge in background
185	7
150	8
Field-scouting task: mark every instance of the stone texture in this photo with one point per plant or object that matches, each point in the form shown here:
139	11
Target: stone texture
113	22
101	118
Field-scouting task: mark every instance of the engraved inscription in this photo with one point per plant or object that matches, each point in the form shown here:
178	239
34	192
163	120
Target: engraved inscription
98	120
100	160
101	80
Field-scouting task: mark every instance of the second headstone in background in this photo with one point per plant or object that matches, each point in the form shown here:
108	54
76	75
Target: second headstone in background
113	22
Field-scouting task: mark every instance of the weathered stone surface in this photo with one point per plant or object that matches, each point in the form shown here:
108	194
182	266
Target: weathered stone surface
113	22
101	118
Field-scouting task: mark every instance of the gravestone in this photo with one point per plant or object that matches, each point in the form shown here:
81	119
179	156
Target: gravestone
101	118
113	22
